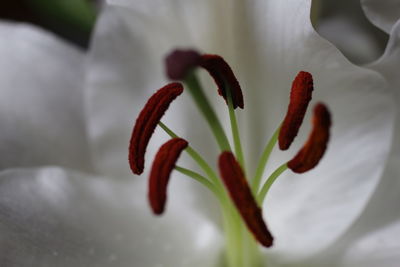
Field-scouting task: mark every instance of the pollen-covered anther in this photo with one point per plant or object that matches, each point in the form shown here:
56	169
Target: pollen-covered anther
180	62
239	190
223	77
314	149
147	121
300	96
163	165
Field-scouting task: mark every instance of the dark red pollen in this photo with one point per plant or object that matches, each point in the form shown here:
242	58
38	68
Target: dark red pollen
300	96
147	121
239	190
180	62
224	78
163	164
315	147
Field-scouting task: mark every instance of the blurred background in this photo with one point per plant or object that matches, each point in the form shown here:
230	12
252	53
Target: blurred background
72	20
340	21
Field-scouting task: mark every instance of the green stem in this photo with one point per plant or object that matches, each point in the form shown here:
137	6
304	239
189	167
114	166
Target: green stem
264	160
271	179
202	103
199	178
235	132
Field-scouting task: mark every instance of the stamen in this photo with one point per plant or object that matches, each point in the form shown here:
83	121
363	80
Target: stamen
180	62
313	150
163	164
242	249
147	122
241	195
300	96
224	78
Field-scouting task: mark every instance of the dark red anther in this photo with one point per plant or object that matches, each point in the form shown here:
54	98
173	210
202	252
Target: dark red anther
223	77
313	150
147	121
163	164
180	62
300	96
239	190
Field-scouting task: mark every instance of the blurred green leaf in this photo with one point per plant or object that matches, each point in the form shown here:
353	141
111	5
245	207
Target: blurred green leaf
79	13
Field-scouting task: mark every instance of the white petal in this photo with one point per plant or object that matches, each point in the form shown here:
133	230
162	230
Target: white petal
41	111
379	248
388	65
52	217
372	239
382	13
344	24
353	39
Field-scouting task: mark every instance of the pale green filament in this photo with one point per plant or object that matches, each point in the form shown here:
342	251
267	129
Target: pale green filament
197	158
199	178
271	179
235	131
264	160
208	112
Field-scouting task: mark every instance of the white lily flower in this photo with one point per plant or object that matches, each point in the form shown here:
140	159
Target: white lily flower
56	216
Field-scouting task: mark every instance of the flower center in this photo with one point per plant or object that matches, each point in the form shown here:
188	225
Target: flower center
240	199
